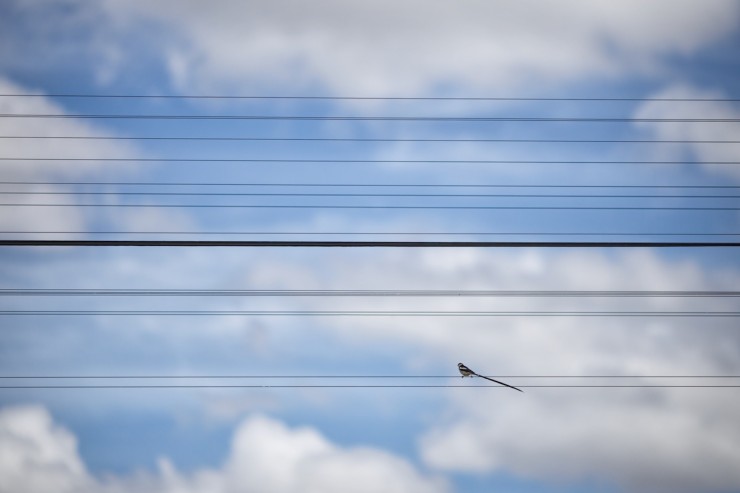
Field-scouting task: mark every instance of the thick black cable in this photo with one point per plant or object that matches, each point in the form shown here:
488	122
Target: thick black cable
353	233
368	293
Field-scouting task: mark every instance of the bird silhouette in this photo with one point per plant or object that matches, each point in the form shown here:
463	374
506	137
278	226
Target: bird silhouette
467	372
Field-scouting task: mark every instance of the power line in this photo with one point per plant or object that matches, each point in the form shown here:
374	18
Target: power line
368	98
366	244
357	313
353	139
366	293
381	207
338	194
351	161
325	386
352	377
467	119
389	185
355	233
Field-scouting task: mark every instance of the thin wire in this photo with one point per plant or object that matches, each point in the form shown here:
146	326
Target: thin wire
468	119
299	386
351	161
390	185
365	244
363	293
353	377
353	139
368	98
381	207
355	313
323	194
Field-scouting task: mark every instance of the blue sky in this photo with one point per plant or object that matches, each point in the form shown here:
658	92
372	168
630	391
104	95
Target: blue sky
306	439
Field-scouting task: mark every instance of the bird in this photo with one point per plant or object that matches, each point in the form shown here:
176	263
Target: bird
467	372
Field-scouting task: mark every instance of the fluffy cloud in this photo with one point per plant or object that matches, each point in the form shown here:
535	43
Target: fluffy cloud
386	47
642	439
67	217
696	131
36	455
410	48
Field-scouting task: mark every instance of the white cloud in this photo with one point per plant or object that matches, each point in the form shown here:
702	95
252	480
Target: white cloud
66	217
412	47
266	455
641	439
696	131
37	455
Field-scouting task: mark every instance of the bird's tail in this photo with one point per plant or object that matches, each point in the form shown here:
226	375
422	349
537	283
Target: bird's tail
500	383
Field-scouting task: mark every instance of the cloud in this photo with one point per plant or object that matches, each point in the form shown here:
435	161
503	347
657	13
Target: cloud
414	47
384	47
640	439
36	455
646	440
46	178
708	154
65	218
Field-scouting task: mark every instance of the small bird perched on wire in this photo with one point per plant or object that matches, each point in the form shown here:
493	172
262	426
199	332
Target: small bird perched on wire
467	372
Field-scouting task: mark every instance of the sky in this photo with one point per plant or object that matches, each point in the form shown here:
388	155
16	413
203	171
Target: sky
474	80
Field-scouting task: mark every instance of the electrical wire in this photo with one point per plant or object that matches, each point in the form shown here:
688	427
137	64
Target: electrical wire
352	377
333	194
389	185
466	119
325	386
367	293
365	244
351	233
382	207
375	313
348	98
352	161
353	139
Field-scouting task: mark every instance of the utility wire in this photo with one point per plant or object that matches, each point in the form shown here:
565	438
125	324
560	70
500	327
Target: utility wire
336	194
375	313
347	98
368	293
381	207
467	119
350	233
389	185
381	386
366	244
351	161
352	139
351	377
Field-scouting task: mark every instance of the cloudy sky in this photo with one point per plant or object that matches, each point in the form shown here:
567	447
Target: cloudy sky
471	120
